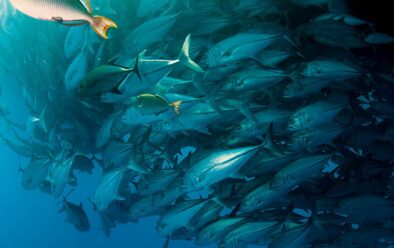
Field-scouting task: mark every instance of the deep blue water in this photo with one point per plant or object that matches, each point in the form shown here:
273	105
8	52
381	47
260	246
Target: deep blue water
30	218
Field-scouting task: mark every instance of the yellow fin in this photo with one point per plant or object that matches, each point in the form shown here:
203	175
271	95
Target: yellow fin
176	105
101	25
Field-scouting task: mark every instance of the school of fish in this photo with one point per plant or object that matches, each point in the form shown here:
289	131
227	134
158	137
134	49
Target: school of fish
236	123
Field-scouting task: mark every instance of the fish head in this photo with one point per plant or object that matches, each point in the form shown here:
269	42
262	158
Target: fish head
311	69
191	182
282	181
233	83
250	203
211	59
298	122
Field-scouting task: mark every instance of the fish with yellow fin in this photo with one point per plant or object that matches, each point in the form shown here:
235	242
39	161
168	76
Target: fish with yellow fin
67	12
155	104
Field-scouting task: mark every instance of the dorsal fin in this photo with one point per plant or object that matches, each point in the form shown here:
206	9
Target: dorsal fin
136	66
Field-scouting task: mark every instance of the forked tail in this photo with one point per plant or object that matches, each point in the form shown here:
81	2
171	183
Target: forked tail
101	25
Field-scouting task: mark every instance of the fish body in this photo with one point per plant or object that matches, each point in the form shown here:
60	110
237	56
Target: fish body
236	48
76	215
253	79
178	216
379	39
314	114
156	202
35	174
217	166
152	71
249	130
156	181
207	214
335	33
216	230
155	104
108	188
76	71
248	233
64	11
59	176
331	70
298	171
148	33
260	198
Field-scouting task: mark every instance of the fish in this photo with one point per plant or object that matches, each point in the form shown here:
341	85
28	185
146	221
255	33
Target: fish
216	166
156	202
298	171
314	114
261	197
334	33
217	230
178	216
155	104
35	174
209	213
60	174
148	33
295	235
66	12
152	71
148	8
253	79
331	70
76	215
156	181
236	123
379	39
238	47
104	134
108	188
248	233
76	72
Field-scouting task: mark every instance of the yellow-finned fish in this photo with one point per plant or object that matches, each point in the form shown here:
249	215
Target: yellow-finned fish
67	12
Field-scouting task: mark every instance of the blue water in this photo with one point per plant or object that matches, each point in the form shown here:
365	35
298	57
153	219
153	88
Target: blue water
30	218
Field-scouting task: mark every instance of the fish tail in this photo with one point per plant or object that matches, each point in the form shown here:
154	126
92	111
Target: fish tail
101	25
185	59
176	105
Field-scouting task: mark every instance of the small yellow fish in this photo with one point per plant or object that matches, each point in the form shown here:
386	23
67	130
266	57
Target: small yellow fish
155	104
67	12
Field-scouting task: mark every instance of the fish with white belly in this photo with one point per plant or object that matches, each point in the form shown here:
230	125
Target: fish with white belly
67	12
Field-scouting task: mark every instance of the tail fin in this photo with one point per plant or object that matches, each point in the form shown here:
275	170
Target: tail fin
185	59
101	25
176	105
